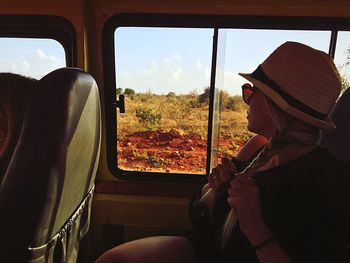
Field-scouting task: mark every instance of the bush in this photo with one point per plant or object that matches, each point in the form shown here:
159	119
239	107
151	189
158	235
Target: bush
204	97
345	83
192	103
228	102
171	94
128	91
148	116
119	91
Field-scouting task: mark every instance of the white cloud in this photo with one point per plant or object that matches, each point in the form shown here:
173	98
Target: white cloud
177	73
35	63
172	73
198	64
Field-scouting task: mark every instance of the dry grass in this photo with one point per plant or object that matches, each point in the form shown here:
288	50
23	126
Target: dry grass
186	116
184	113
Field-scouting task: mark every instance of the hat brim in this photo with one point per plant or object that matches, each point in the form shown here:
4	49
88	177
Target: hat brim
327	123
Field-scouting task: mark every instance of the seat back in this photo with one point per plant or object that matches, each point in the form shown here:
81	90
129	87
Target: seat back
337	140
15	91
46	191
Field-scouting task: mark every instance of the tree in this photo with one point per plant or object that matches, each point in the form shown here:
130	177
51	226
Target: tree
171	94
345	81
128	91
119	91
204	97
228	102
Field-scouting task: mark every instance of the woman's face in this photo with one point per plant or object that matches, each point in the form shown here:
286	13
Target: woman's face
259	118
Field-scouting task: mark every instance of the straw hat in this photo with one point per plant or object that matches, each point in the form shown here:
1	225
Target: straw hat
302	81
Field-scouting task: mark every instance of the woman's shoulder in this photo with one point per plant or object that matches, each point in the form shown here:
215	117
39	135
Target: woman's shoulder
318	158
315	163
324	159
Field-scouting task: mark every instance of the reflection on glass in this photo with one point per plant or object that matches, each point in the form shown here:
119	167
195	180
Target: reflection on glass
218	92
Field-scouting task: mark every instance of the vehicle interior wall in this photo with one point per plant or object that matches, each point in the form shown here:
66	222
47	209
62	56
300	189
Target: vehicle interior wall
123	209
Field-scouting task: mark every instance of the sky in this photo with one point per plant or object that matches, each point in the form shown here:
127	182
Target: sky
31	57
163	60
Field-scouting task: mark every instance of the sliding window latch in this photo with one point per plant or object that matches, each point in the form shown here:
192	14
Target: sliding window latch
120	103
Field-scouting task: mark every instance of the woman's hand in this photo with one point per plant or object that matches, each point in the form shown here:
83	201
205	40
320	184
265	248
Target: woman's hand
221	174
244	199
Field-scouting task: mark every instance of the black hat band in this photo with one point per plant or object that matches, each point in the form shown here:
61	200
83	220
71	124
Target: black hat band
260	75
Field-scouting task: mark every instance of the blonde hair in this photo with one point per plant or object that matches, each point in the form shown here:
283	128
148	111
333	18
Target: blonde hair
289	130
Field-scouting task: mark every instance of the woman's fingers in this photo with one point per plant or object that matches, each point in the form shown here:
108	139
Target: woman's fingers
216	178
243	178
221	174
242	193
228	169
244	198
243	186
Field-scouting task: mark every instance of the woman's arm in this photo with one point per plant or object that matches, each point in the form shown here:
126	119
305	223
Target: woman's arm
272	253
244	199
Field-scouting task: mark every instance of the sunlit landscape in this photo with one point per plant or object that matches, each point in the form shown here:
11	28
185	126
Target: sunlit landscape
148	141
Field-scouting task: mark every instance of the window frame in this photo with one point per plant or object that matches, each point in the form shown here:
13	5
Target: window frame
42	26
214	22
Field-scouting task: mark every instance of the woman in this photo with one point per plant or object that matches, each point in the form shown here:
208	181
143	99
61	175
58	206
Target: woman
292	203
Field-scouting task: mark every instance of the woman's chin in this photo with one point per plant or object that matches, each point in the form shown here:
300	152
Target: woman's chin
250	128
253	129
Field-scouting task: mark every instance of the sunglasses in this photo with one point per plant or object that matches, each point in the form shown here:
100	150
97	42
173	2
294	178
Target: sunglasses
247	92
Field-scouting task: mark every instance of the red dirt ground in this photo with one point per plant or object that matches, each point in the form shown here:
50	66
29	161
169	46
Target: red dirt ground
165	151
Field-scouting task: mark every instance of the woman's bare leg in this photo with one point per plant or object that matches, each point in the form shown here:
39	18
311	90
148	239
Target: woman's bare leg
159	249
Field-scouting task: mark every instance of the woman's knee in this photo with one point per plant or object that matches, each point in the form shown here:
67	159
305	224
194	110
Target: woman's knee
160	249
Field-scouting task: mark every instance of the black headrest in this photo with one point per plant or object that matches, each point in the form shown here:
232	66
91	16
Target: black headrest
338	139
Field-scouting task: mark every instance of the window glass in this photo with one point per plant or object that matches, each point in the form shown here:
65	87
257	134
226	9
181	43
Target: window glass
215	149
164	74
245	50
342	58
31	57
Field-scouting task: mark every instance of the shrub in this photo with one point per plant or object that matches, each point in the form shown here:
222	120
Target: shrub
228	102
171	94
192	103
119	91
128	91
233	103
345	83
148	116
204	97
